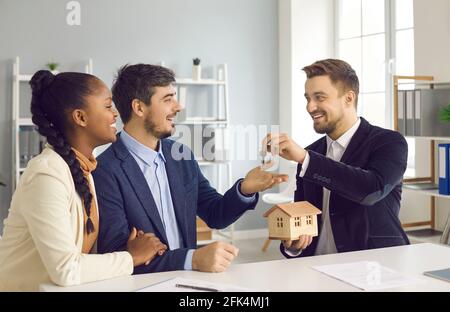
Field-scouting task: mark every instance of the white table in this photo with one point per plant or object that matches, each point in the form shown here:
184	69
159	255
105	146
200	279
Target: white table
297	274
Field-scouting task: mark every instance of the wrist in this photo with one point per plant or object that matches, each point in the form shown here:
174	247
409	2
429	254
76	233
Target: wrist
244	188
302	156
134	258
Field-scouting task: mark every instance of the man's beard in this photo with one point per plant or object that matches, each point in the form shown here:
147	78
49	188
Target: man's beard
327	128
150	127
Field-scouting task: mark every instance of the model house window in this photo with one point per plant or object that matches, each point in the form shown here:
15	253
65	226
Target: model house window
297	221
309	220
280	222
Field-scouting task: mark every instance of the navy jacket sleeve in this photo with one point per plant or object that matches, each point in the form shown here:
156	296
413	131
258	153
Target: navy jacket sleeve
367	186
219	211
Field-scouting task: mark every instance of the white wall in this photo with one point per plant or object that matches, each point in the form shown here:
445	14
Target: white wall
432	38
241	33
306	34
432	57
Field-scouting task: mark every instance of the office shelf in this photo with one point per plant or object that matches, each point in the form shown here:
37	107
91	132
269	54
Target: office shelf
429	138
422	82
204	163
23	78
424	236
20	123
434	193
219	120
25	122
203	122
188	81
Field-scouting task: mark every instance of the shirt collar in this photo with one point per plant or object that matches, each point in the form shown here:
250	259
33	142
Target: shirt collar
144	153
345	138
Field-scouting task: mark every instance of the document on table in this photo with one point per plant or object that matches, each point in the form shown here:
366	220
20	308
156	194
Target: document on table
367	275
179	284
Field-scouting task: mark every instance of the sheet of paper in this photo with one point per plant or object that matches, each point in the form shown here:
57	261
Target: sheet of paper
367	275
170	286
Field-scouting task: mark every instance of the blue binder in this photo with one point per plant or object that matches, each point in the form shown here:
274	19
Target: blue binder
444	169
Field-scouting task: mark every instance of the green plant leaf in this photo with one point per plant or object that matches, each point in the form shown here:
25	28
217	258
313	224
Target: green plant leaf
52	66
444	114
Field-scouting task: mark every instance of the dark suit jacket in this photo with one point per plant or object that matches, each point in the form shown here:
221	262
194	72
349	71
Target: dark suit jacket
125	200
366	187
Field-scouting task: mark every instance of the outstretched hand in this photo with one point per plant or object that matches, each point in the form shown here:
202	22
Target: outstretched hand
258	180
282	144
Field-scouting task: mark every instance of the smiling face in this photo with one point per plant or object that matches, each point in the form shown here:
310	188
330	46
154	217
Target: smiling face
101	116
160	114
327	105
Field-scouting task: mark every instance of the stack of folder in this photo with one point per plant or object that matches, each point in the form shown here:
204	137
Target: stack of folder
418	112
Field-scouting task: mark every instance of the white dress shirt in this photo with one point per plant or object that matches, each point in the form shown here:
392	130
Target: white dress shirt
335	150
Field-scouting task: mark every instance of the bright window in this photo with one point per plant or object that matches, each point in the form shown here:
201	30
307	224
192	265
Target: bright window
404	64
376	37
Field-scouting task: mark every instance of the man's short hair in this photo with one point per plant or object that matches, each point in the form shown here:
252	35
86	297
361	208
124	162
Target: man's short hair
341	75
138	82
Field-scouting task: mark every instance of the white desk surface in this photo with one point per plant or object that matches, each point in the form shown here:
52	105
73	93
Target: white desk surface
297	274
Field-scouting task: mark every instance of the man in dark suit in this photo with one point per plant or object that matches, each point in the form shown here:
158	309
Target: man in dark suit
146	181
353	174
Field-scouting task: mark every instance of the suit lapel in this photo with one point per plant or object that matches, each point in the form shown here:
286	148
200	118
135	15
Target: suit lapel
356	141
177	190
141	188
322	146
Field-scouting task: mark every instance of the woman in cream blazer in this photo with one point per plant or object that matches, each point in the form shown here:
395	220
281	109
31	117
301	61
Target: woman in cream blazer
49	234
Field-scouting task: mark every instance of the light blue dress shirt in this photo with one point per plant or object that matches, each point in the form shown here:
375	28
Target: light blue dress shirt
152	165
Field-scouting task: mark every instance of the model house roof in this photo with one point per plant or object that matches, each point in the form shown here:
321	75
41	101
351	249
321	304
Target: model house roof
296	209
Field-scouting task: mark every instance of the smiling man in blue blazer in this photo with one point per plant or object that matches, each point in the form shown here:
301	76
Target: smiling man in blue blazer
353	174
142	182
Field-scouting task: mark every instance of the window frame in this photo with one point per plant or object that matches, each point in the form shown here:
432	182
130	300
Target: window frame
390	33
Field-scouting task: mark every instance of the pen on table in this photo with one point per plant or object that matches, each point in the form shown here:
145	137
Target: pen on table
195	287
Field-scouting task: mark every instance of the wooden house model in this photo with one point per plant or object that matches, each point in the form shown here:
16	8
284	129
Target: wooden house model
289	221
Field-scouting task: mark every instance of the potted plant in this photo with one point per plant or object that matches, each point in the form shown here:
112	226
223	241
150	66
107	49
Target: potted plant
53	67
196	69
444	114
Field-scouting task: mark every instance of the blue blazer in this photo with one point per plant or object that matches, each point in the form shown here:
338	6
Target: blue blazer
366	188
125	200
